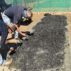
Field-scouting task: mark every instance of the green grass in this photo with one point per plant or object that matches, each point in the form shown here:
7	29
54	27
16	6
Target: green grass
46	5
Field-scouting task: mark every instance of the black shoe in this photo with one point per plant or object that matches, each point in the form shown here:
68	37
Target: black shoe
30	32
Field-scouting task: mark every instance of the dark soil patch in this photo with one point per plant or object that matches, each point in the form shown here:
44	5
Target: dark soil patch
45	49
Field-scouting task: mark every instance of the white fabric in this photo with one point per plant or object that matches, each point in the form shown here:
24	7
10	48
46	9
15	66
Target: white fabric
6	19
16	34
1	60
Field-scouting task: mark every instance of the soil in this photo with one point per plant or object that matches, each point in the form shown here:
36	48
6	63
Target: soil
45	49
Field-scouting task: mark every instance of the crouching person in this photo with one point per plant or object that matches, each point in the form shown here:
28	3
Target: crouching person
10	18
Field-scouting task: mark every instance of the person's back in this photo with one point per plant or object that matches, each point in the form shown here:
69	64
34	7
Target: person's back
14	12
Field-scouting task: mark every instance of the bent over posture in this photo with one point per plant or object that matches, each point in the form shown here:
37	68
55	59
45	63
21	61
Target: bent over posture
14	14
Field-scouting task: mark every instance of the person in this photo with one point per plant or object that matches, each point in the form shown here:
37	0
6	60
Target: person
13	14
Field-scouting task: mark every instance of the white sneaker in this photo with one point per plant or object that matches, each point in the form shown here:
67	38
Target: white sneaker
1	60
32	31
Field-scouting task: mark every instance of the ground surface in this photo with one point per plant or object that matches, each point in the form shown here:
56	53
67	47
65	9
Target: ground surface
49	48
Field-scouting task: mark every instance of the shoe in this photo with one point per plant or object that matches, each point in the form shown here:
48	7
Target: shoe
31	32
7	62
1	60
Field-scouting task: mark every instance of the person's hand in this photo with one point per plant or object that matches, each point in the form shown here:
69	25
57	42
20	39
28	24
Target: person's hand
11	27
23	34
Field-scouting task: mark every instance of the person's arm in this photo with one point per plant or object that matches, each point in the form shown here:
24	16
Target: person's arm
23	34
17	17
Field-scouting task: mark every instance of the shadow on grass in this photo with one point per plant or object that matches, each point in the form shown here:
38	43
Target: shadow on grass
45	50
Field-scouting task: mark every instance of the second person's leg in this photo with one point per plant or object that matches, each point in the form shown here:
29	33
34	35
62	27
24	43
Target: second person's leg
4	33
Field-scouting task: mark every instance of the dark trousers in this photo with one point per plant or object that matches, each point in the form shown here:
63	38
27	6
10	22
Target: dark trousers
4	33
